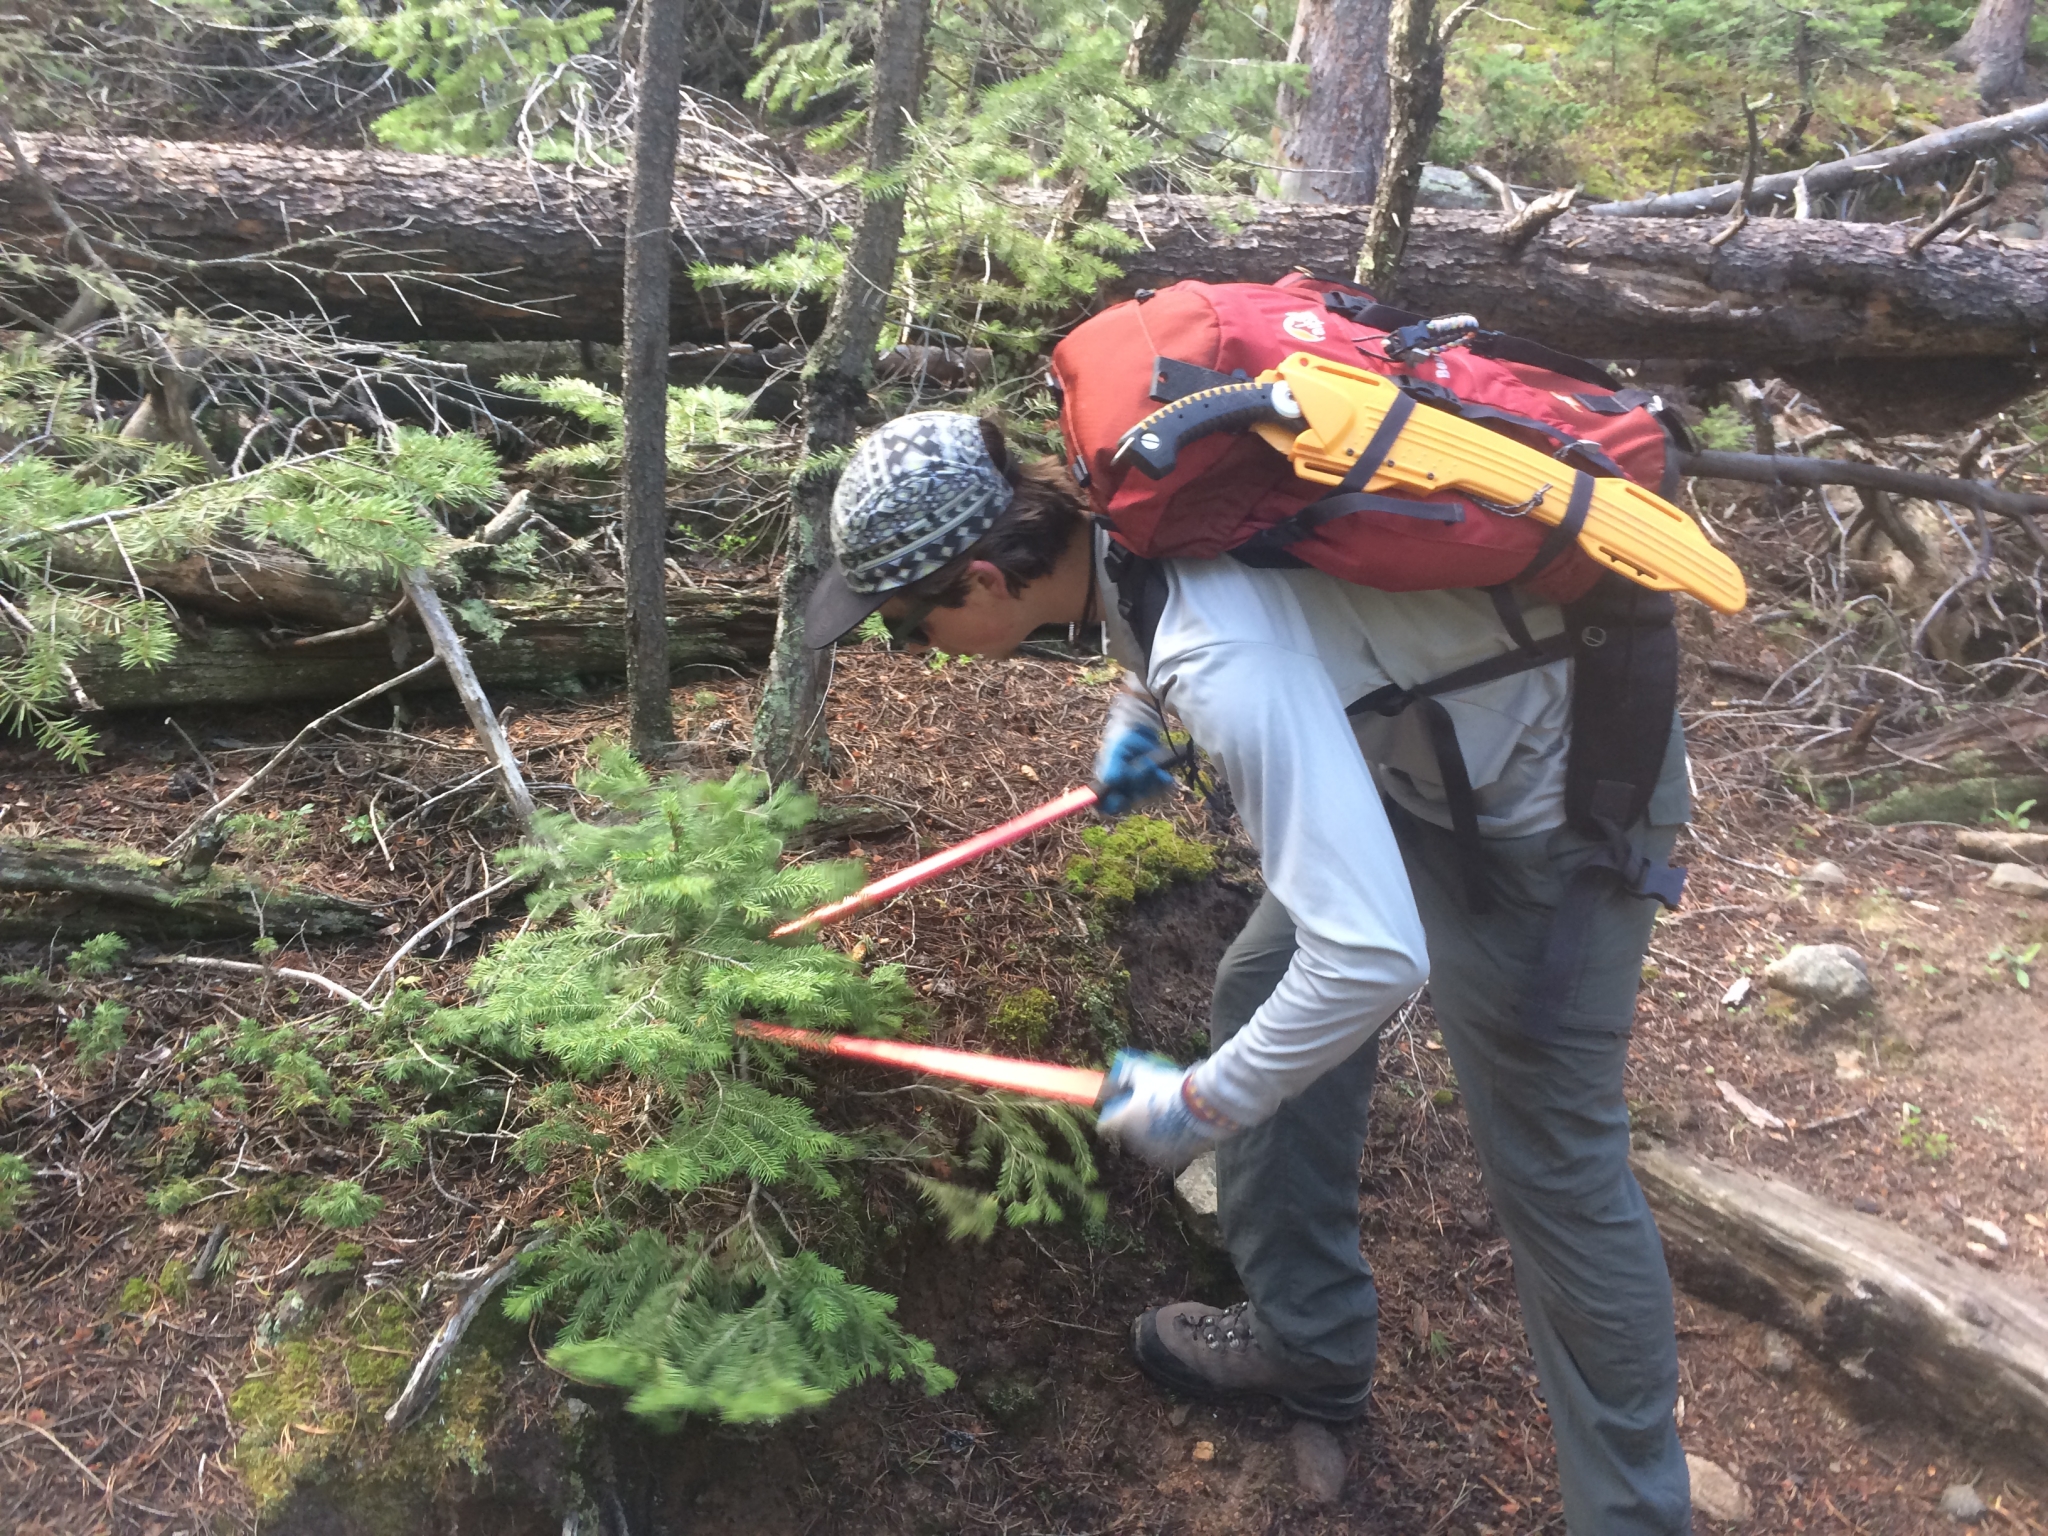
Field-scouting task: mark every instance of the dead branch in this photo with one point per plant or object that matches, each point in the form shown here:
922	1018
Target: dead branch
333	989
426	602
389	972
215	811
1975	192
1772	469
1919	154
1516	232
425	1380
1754	154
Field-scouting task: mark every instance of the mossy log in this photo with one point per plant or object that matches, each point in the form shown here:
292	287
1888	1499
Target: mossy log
1960	771
552	640
59	886
1908	1327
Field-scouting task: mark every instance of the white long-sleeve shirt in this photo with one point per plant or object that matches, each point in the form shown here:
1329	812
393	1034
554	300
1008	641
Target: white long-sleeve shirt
1259	666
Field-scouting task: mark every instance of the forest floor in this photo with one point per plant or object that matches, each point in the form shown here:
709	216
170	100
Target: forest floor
116	1393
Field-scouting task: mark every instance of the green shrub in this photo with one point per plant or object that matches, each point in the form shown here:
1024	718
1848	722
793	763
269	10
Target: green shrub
98	1034
16	1181
342	1203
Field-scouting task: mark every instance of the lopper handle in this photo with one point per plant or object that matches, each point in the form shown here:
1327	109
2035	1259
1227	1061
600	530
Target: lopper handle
1154	444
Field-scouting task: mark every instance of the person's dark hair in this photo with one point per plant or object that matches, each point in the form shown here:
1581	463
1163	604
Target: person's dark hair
1028	538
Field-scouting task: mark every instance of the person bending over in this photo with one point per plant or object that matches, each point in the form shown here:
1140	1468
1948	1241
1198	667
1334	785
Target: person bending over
937	528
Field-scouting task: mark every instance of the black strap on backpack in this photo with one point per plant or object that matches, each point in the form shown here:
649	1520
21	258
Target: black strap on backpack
1443	739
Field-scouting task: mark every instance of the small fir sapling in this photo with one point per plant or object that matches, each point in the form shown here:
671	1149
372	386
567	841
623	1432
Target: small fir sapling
692	1270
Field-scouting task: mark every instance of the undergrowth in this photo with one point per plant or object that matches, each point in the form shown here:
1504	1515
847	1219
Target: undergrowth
709	1199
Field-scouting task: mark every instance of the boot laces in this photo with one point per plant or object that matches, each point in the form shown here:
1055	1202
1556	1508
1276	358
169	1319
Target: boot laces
1228	1329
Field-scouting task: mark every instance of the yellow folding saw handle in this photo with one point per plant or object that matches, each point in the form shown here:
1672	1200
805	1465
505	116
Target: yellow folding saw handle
1628	529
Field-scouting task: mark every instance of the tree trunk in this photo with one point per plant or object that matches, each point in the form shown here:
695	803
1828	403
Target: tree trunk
650	717
1996	46
1160	35
49	885
1911	1329
1332	141
835	387
555	640
1415	70
1782	293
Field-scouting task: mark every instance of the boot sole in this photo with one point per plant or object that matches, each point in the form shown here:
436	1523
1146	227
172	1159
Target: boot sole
1158	1362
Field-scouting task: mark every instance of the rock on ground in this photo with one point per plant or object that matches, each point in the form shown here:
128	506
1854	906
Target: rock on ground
1194	1192
1715	1492
1826	872
1319	1461
1960	1502
2020	879
1832	975
1781	1358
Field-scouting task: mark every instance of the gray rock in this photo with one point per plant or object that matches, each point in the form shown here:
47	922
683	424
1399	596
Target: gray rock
1443	187
1716	1494
1194	1192
1319	1461
2020	879
1826	872
1960	1502
1831	975
1781	1357
2018	230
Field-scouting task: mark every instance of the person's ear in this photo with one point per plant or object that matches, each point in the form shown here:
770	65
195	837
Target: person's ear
985	579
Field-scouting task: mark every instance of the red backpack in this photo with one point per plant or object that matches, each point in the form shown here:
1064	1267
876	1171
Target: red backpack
1231	493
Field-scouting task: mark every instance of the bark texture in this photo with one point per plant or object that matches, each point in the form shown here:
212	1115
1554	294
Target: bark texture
836	378
644	445
1910	1328
1996	47
1332	141
49	885
1781	293
555	640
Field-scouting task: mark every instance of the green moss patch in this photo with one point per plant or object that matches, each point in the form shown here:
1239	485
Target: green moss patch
1966	802
1024	1018
1139	855
313	1414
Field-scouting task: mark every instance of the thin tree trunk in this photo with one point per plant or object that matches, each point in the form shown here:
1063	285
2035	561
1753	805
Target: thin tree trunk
1156	42
645	448
1333	141
1996	45
1415	68
835	387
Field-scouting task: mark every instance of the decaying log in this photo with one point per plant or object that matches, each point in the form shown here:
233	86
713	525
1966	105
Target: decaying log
553	640
52	885
525	253
1910	1328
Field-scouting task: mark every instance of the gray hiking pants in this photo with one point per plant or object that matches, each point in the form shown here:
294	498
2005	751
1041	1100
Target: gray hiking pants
1551	1127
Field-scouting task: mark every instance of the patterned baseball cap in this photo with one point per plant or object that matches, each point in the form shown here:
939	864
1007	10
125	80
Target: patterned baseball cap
916	494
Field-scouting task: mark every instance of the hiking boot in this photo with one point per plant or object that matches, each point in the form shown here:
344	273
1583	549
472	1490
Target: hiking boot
1211	1352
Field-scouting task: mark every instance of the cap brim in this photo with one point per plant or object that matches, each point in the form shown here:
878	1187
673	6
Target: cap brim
834	609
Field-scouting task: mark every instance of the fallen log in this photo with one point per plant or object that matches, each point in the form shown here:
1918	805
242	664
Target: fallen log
1964	770
552	640
1908	1327
398	246
57	886
1926	153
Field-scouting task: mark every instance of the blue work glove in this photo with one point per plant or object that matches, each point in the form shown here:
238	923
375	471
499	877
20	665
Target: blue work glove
1147	1107
1127	769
